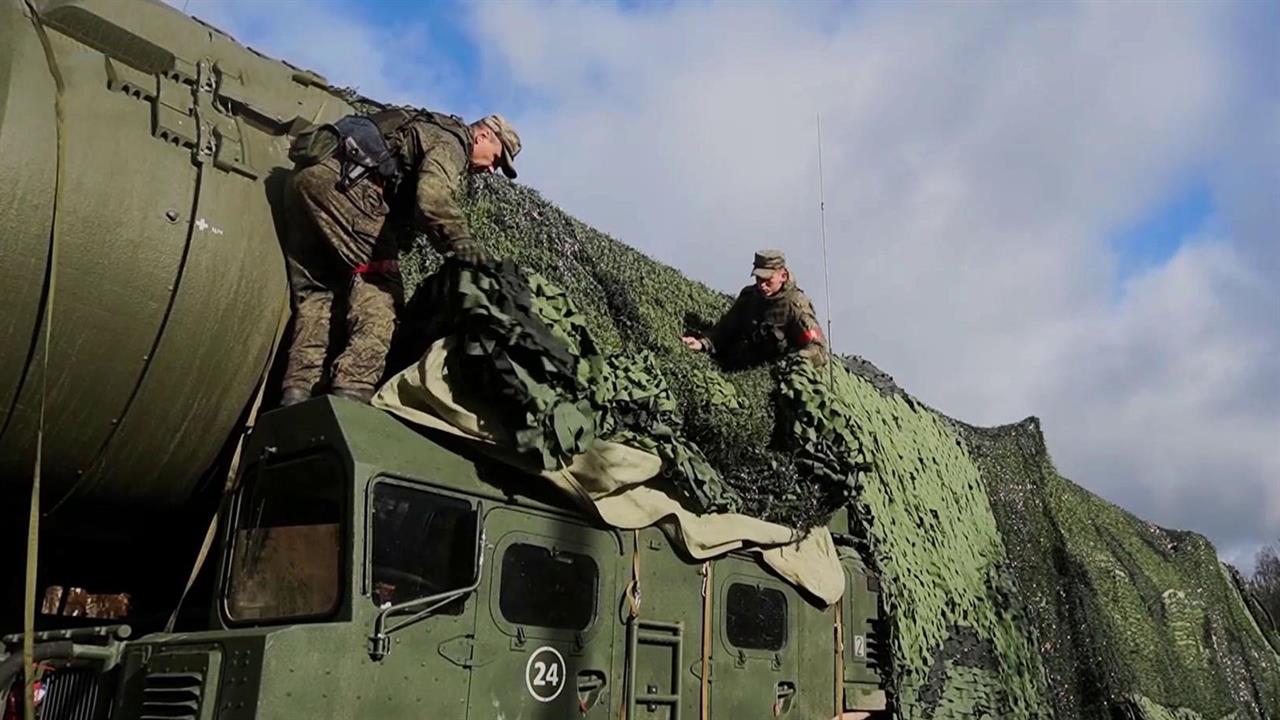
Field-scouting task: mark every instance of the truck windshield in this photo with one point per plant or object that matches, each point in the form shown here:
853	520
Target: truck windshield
285	555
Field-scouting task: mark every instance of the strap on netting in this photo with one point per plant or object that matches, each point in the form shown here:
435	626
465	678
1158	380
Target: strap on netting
704	712
839	647
634	600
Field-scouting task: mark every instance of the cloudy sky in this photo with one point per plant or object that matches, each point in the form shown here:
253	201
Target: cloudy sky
1066	210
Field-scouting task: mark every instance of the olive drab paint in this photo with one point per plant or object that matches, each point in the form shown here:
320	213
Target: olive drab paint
546	632
560	644
170	276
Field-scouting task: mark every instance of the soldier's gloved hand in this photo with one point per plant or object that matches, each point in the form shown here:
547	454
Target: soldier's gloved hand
469	254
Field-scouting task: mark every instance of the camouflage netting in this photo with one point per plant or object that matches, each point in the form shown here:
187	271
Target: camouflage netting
1010	592
1131	614
621	303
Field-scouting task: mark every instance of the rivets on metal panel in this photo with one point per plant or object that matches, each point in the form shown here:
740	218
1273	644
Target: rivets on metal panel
171	215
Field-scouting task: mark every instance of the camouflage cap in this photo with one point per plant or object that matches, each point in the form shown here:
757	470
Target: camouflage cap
510	142
768	262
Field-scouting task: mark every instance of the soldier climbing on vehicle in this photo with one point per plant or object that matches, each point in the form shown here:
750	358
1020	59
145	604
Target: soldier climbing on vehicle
770	319
360	186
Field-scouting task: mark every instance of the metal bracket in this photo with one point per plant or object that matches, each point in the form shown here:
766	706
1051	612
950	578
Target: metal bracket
203	112
172	118
379	646
459	650
463	651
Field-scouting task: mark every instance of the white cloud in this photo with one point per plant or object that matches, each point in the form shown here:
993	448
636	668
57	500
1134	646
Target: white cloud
1168	403
978	157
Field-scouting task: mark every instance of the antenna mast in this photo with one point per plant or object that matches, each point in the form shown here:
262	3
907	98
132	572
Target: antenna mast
826	273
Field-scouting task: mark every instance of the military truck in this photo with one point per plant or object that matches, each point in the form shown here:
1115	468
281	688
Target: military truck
360	567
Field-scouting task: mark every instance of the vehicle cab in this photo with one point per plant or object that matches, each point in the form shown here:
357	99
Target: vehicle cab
368	570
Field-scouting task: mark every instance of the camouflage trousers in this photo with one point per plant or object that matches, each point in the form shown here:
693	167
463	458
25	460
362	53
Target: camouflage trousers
341	257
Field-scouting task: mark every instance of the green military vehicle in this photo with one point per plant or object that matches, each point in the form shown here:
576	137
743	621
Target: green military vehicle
361	568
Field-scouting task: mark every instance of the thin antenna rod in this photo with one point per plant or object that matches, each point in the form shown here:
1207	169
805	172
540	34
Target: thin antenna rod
826	273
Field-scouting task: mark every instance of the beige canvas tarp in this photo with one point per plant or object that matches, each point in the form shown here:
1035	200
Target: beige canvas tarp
610	480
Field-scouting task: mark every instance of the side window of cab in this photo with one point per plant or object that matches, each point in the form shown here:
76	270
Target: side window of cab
547	587
421	543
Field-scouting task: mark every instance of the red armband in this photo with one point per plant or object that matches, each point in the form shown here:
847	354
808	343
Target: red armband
810	335
376	267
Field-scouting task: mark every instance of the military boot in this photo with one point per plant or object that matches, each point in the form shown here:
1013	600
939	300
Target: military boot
293	396
360	395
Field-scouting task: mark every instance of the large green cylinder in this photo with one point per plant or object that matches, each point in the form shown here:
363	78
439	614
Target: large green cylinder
150	150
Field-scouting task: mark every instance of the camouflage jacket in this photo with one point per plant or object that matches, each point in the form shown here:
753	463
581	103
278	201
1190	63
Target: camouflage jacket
434	153
759	329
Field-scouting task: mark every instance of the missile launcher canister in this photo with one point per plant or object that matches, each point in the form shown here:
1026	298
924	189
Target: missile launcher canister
154	174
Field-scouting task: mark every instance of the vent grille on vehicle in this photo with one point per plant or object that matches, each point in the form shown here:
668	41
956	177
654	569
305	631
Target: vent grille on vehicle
170	695
878	646
73	694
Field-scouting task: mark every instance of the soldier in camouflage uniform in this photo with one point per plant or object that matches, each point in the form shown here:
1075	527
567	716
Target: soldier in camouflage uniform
342	243
770	318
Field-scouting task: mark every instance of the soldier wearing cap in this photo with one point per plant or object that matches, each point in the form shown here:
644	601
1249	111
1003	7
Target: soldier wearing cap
770	318
345	227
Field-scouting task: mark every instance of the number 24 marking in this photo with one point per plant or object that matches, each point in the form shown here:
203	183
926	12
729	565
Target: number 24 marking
546	675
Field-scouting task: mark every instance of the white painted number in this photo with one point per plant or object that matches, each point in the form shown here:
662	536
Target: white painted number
546	675
543	674
859	646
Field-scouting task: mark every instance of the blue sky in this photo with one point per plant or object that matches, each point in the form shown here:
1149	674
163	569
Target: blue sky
1154	236
1061	209
448	41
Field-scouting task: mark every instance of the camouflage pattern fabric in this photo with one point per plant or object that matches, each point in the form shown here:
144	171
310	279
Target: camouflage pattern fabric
437	148
1137	707
1127	609
524	349
331	234
759	329
1010	591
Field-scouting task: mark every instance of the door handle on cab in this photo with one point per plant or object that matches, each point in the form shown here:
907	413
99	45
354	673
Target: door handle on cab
785	693
590	686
